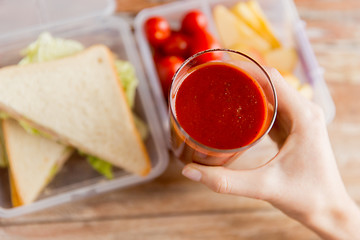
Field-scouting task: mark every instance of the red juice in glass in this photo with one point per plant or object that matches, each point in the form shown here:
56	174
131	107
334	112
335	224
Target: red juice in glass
220	108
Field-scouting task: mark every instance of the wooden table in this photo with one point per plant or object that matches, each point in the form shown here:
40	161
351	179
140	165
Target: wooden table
172	207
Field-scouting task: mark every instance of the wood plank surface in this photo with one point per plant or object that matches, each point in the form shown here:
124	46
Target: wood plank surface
172	207
270	225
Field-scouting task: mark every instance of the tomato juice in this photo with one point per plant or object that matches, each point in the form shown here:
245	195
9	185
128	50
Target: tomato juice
220	107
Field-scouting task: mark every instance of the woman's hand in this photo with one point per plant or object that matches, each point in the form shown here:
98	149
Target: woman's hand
302	180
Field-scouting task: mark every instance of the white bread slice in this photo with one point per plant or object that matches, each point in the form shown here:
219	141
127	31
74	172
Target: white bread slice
79	101
33	161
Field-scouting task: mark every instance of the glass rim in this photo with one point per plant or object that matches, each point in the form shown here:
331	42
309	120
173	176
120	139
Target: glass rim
207	148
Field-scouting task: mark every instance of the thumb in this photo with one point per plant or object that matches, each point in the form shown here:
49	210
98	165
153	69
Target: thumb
247	183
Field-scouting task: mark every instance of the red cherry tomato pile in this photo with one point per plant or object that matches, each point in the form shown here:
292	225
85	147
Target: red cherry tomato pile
171	47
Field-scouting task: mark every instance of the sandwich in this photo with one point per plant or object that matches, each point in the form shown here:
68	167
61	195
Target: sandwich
33	161
75	101
78	101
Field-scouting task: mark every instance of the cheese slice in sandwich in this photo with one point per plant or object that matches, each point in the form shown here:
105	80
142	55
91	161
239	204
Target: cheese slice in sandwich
33	161
78	101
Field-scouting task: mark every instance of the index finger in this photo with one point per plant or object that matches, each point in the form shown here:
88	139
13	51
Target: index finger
290	103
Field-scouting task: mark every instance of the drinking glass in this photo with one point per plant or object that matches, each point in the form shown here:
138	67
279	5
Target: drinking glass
188	149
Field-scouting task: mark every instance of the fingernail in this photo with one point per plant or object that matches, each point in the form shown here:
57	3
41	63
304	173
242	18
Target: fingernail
192	173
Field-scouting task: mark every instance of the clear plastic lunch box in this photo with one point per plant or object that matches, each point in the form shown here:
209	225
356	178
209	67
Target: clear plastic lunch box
90	22
288	28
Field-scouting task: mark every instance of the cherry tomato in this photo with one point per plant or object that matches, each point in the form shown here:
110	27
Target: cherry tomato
157	56
177	44
204	41
157	30
166	68
193	22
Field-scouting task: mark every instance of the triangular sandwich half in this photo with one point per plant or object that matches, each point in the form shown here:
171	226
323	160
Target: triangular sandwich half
33	161
79	101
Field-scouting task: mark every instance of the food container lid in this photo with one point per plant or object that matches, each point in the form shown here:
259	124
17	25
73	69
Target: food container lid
19	15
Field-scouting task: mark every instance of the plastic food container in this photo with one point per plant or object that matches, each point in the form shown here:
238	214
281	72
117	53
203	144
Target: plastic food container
285	21
90	23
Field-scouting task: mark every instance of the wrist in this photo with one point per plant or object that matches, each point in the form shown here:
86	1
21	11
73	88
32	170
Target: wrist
336	221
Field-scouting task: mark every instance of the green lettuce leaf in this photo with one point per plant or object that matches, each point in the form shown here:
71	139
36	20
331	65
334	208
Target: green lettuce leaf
3	156
3	159
101	166
3	115
29	129
52	173
47	48
128	79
